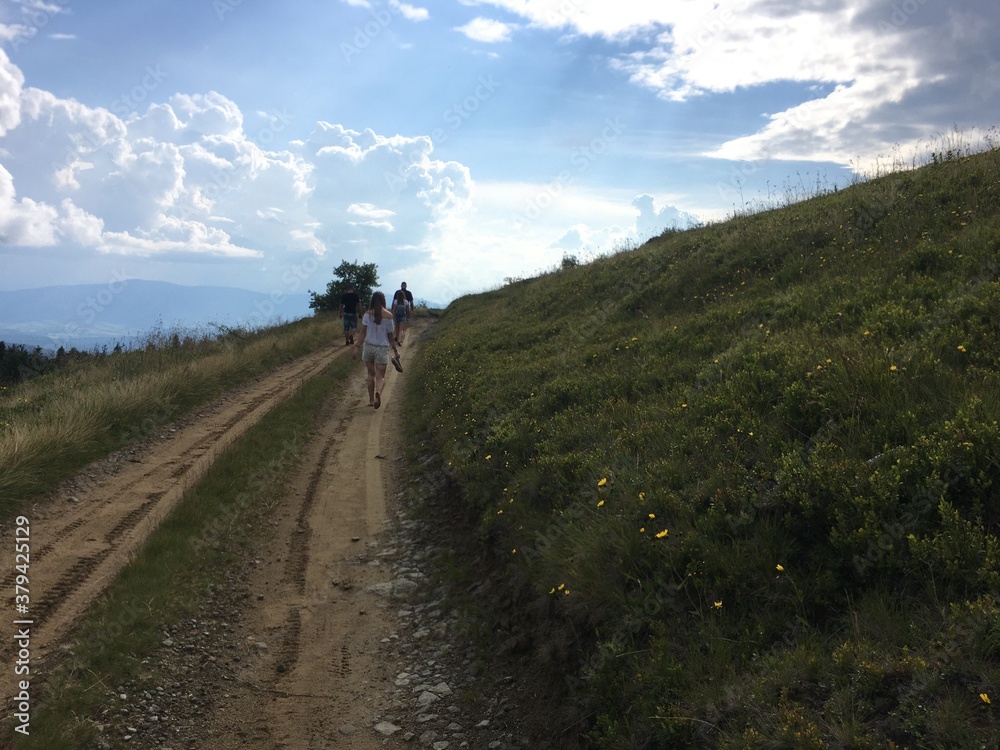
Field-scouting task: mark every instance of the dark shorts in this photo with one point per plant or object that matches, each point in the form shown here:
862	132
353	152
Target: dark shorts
400	317
350	321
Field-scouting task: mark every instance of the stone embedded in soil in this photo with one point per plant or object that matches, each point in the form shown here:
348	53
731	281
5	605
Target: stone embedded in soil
386	729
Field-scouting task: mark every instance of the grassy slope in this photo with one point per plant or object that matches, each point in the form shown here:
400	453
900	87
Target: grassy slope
744	479
53	425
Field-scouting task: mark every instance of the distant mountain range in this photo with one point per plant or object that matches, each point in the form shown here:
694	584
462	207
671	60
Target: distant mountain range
129	311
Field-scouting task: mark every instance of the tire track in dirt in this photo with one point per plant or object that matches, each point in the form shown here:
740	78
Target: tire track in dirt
317	678
78	549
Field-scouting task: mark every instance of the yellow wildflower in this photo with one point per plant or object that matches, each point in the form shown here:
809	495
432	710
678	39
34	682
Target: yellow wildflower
662	534
600	503
604	481
718	604
985	697
780	568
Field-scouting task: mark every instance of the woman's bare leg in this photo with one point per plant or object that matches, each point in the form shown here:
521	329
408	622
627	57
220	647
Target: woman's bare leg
371	381
379	377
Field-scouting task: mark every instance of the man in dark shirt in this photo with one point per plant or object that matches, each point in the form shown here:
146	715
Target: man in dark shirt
350	305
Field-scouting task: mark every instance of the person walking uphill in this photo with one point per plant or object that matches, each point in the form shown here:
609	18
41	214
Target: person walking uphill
377	337
350	305
402	305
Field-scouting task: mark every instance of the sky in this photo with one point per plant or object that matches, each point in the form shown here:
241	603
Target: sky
454	143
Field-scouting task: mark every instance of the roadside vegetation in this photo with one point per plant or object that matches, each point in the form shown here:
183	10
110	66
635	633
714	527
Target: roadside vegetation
219	521
740	487
54	424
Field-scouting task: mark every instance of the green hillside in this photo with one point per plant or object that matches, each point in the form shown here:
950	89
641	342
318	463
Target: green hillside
742	483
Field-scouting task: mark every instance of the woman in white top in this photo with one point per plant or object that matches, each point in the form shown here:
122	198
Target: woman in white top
377	338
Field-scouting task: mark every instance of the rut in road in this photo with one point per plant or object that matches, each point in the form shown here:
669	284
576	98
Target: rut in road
78	549
326	660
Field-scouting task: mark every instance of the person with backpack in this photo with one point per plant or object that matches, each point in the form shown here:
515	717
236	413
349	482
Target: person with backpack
402	304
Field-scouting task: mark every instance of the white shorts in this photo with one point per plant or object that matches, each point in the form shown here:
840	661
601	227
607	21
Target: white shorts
375	353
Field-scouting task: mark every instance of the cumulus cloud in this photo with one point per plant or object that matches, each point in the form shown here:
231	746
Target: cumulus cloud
190	179
361	180
487	30
410	12
653	221
572	240
11	82
24	222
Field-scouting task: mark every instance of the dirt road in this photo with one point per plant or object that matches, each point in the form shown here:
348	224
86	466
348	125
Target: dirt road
321	669
311	607
79	542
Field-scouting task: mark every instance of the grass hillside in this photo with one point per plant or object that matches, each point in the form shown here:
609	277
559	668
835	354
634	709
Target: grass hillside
742	483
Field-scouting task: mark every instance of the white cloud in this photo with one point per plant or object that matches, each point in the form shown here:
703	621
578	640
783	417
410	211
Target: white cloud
487	30
369	215
653	221
621	19
24	222
509	232
410	12
185	180
11	82
892	73
395	176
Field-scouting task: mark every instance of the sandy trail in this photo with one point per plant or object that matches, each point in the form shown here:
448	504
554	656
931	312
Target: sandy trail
322	666
322	670
78	546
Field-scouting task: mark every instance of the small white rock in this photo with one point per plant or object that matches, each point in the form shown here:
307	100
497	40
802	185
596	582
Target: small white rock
386	729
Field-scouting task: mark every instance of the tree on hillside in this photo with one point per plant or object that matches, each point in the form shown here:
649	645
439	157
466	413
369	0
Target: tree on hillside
364	276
